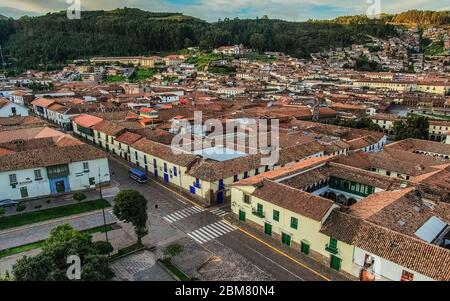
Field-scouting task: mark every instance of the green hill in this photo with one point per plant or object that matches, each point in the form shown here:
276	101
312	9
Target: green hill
52	39
411	17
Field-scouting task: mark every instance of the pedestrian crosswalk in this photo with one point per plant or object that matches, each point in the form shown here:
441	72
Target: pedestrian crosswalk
219	212
183	213
210	232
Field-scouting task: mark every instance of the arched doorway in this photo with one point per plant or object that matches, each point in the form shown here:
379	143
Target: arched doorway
341	199
351	201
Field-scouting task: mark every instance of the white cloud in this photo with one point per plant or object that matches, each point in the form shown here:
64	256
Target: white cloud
214	9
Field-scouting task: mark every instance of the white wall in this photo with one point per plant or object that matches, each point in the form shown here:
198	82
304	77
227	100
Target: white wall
6	111
78	179
384	268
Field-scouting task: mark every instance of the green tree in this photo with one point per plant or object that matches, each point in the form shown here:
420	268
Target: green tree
131	206
51	263
414	127
257	41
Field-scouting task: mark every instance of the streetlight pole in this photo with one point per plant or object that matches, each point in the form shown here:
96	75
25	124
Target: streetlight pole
103	205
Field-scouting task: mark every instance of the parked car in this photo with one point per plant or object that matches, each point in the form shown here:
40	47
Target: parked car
8	203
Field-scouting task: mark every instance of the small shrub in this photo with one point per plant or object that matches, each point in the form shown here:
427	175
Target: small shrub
173	250
79	196
48	201
103	247
21	207
38	207
2	211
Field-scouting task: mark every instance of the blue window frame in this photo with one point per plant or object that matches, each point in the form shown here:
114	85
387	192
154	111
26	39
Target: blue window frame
221	185
197	183
175	171
154	163
236	178
165	167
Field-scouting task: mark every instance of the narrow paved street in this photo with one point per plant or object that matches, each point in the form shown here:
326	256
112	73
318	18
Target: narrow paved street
207	228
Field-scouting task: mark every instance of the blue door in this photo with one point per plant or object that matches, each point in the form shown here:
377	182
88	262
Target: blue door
59	185
166	178
219	197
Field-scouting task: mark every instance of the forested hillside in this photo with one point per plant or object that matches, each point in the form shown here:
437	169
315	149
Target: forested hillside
412	17
45	41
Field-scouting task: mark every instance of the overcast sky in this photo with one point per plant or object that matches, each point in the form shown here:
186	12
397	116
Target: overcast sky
212	10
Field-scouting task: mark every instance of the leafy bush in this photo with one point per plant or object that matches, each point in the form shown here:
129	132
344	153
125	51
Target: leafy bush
21	207
103	247
173	250
38	207
79	196
2	211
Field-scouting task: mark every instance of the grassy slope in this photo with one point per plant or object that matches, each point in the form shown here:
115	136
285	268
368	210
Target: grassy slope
48	214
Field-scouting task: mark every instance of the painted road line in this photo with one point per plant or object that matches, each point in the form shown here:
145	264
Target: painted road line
219	212
180	214
282	253
210	232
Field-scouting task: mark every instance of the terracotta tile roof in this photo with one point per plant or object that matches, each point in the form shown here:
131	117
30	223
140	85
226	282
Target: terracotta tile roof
292	199
3	102
41	158
212	170
412	145
43	102
285	171
128	138
108	127
399	210
19	120
162	151
86	120
28	134
399	248
366	177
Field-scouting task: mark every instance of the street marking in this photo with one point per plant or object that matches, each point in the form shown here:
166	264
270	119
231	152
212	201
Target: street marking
210	232
282	253
219	212
181	201
180	214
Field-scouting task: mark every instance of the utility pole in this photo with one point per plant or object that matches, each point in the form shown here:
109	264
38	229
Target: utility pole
103	205
3	60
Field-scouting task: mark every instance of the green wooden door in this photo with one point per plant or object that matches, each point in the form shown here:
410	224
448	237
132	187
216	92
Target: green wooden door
304	247
335	262
286	239
268	229
242	215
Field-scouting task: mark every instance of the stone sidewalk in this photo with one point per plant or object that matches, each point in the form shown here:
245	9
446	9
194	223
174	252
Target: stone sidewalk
51	202
140	266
